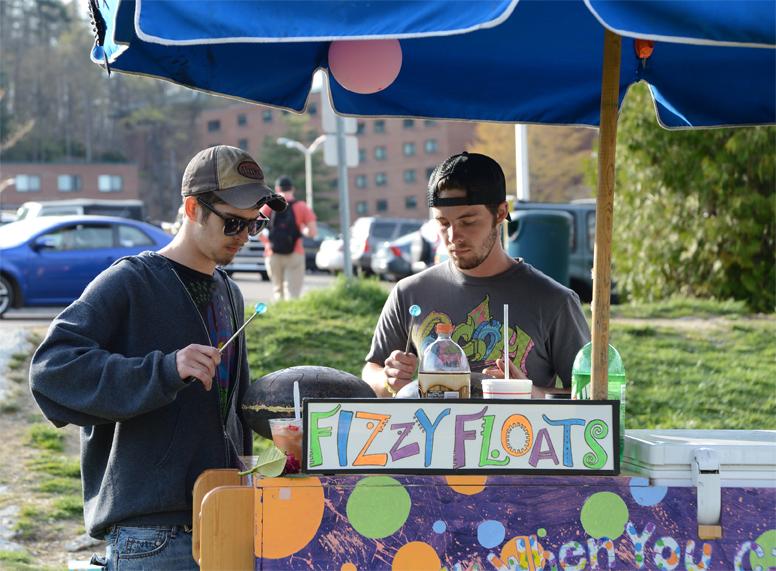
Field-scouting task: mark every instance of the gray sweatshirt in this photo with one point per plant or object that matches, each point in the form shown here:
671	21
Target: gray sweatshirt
108	365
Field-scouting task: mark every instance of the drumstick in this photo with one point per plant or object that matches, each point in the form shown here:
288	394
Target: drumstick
414	312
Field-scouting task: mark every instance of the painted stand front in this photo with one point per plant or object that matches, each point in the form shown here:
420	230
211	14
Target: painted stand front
502	522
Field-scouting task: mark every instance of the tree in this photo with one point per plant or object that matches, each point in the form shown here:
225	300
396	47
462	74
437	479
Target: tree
556	157
694	210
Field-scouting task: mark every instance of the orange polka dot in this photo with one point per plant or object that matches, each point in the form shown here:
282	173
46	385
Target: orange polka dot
416	555
521	557
288	514
348	567
467	485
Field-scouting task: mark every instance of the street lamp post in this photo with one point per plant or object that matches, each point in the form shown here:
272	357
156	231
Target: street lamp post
308	162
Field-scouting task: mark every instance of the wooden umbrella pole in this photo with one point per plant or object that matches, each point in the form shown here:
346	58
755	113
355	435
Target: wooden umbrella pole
602	260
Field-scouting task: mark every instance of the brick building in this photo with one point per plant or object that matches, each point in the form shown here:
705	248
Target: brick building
396	156
56	181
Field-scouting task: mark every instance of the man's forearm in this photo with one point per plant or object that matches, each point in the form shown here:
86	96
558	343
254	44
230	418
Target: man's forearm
374	375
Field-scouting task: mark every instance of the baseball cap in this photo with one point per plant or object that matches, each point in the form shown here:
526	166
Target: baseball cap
284	182
233	175
479	175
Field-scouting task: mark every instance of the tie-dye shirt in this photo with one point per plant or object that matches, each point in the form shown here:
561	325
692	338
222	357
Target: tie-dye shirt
546	323
210	295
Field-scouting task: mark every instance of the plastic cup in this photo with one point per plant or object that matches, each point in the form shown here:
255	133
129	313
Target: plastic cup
287	435
506	389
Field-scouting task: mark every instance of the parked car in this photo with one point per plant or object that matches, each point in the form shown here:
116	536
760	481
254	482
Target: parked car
368	233
134	209
330	256
250	258
393	260
312	245
7	217
49	260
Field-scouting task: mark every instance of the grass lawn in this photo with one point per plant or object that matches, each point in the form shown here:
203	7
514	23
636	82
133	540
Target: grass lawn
717	371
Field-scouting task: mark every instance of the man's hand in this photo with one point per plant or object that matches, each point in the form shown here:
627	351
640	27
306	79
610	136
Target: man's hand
198	361
497	372
399	369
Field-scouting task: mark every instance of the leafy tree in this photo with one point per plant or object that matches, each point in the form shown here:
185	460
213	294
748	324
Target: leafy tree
694	210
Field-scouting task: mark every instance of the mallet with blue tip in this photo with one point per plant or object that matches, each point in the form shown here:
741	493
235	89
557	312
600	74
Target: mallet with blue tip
414	312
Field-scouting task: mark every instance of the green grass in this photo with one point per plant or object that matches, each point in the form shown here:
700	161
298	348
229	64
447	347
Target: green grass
45	437
54	465
720	376
59	485
19	561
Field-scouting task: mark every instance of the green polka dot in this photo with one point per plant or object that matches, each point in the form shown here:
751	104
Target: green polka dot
541	532
604	515
378	506
767	541
494	454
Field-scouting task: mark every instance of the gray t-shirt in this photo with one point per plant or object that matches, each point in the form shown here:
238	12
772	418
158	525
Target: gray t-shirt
546	324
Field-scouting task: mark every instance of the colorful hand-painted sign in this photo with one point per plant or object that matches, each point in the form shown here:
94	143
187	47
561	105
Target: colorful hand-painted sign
472	436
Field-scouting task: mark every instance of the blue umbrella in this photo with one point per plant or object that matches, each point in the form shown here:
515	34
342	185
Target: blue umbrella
570	62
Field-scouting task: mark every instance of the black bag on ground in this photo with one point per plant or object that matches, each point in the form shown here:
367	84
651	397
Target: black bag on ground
283	231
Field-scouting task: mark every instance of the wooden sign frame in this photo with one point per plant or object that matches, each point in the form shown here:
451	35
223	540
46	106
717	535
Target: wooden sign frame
380	435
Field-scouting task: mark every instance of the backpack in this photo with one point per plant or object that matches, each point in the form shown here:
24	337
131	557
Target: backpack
283	231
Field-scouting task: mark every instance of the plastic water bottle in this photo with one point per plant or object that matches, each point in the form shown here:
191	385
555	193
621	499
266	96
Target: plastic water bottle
580	381
444	371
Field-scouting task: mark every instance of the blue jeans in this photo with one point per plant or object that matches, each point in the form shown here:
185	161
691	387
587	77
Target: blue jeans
152	548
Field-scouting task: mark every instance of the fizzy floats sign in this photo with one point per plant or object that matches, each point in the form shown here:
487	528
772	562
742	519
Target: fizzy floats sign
472	436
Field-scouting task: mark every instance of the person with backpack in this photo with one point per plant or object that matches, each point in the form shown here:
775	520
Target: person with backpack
283	247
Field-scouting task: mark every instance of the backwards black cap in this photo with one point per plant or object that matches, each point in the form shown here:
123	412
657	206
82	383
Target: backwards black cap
479	175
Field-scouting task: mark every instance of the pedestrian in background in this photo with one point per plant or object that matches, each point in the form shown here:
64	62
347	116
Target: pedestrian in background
135	362
283	245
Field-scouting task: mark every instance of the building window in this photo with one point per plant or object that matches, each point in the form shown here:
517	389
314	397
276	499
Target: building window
429	123
408	149
380	153
410	175
361	156
214	125
361	181
266	116
381	179
361	208
429	172
431	146
68	183
360	128
408	123
110	183
242	120
381	205
380	126
27	183
410	202
312	109
243	144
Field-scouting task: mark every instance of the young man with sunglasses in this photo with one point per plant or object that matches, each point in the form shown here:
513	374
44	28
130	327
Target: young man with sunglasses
135	362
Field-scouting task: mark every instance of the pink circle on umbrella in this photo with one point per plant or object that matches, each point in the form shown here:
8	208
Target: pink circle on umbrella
365	66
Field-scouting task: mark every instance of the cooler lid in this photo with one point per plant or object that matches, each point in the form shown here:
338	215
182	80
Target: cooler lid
740	452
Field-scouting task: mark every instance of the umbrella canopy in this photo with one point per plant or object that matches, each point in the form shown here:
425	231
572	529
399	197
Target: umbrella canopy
568	62
530	61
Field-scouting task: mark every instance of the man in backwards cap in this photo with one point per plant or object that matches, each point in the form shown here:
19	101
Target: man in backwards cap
467	196
134	362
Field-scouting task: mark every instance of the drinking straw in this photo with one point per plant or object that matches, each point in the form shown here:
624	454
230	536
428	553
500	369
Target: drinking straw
506	341
414	312
297	402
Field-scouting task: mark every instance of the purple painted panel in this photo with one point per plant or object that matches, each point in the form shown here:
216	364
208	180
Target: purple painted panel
529	523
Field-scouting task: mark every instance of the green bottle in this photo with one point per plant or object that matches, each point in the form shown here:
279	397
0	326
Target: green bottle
580	381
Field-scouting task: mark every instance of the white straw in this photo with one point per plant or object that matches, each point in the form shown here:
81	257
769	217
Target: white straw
506	341
297	402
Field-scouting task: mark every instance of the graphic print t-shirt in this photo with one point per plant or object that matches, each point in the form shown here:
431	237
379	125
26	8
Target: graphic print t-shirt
210	295
546	323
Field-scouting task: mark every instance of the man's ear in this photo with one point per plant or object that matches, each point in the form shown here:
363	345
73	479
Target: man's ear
191	208
503	210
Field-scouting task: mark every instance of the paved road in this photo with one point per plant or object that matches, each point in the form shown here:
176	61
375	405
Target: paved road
252	286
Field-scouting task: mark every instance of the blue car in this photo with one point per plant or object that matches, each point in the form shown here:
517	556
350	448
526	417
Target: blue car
49	260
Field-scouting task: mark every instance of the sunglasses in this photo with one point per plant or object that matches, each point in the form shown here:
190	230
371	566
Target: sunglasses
233	225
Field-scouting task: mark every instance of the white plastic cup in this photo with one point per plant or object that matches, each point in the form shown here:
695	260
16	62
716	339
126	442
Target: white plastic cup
506	389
